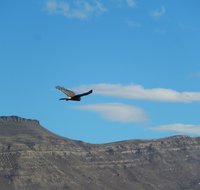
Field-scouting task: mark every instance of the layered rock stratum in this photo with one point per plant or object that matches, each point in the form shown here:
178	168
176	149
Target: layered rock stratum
31	157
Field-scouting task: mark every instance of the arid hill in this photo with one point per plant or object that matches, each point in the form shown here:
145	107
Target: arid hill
32	158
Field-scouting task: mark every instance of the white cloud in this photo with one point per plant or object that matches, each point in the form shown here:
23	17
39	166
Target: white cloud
118	112
156	14
139	92
179	128
79	9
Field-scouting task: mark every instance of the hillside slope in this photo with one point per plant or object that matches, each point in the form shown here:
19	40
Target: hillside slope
32	158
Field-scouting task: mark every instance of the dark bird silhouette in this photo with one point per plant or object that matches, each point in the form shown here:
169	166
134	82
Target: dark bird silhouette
71	95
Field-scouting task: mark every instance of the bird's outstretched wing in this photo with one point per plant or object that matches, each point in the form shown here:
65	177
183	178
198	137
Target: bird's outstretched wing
84	94
66	91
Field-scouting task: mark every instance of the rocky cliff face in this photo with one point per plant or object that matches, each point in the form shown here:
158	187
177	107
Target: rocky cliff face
31	157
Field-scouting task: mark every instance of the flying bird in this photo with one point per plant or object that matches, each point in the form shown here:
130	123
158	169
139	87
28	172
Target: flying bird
71	95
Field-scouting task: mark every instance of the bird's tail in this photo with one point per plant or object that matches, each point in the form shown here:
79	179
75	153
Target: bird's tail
63	99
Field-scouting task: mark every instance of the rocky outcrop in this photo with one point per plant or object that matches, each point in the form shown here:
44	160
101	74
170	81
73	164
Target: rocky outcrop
31	157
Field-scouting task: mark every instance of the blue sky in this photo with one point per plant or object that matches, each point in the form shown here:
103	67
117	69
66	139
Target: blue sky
141	58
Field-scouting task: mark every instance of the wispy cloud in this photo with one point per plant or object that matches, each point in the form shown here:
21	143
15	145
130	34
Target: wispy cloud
83	9
158	13
195	75
133	91
131	3
179	128
124	3
160	31
79	9
133	24
188	27
117	112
